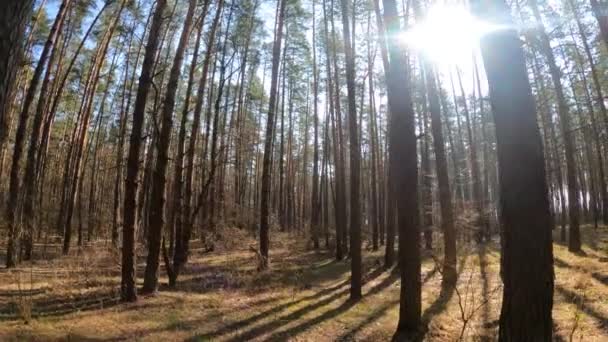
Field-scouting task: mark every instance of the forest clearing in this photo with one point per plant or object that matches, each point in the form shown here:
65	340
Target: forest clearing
303	297
314	170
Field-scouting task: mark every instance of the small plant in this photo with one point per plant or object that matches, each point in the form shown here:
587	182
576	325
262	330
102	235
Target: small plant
468	303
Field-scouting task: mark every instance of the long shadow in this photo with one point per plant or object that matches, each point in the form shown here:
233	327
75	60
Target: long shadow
210	281
217	277
557	337
481	252
251	320
276	323
63	305
369	319
441	302
572	296
327	315
278	276
386	282
438	306
602	278
561	263
23	292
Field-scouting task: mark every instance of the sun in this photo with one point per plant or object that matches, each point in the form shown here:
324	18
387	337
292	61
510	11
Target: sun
448	34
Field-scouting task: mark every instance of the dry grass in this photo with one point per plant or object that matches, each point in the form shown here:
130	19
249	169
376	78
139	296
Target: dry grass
303	297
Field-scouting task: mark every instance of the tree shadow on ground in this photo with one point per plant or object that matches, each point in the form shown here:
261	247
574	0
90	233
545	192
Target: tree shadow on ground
44	307
600	277
483	272
440	304
557	337
328	296
574	298
330	314
276	309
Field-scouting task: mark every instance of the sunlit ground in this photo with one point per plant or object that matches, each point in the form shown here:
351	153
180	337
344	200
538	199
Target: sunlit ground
304	296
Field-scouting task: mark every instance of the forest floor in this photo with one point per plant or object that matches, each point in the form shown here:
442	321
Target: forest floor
303	297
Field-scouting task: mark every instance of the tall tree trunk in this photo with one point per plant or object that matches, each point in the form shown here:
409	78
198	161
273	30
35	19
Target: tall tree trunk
122	131
475	174
12	215
267	164
178	183
315	205
30	167
574	240
389	255
73	185
525	215
445	197
375	212
599	99
355	159
189	214
128	289
338	199
403	145
157	198
340	162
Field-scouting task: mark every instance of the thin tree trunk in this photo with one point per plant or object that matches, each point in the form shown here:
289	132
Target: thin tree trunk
574	241
267	164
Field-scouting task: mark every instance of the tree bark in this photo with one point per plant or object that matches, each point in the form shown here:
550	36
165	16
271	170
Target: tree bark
527	255
405	176
157	198
128	289
267	163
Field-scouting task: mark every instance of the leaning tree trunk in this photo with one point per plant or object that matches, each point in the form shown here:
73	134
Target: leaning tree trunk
14	16
189	215
128	289
179	255
157	198
12	216
82	127
574	239
30	168
527	255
